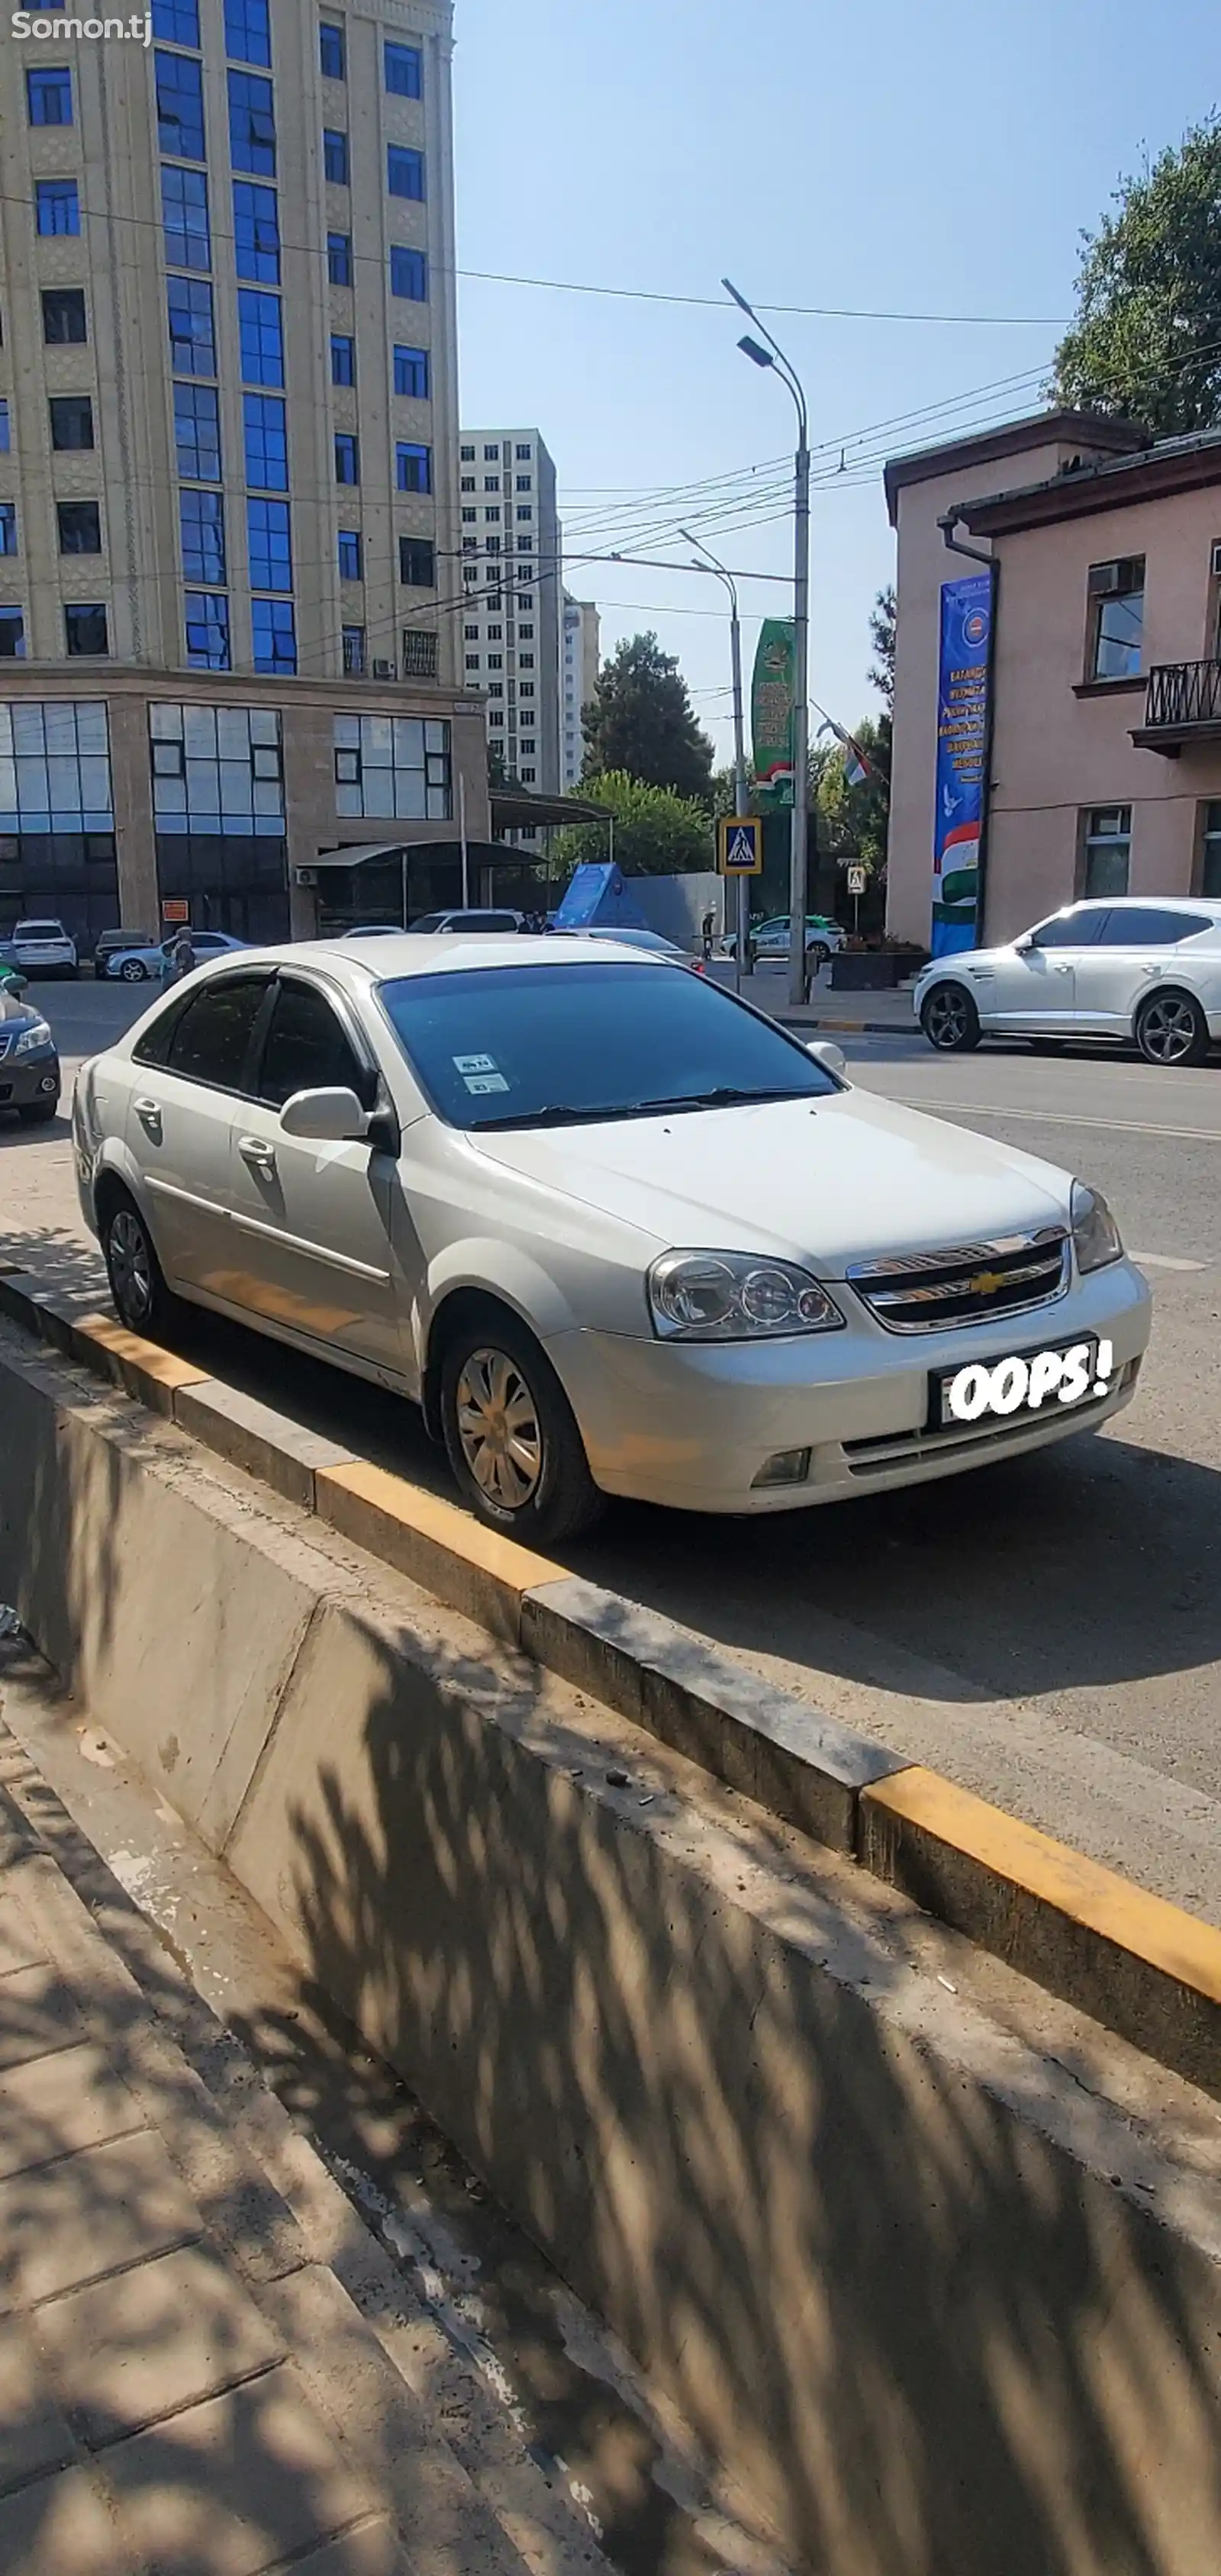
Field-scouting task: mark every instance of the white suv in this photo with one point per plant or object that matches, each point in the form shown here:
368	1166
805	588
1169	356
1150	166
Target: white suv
1139	968
43	948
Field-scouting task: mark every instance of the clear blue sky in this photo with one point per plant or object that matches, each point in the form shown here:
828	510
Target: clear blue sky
939	158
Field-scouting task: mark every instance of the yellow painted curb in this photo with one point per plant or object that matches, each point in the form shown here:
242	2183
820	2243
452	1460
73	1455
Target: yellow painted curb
433	1542
152	1375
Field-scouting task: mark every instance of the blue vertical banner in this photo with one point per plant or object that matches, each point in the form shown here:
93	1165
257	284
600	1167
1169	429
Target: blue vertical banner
962	716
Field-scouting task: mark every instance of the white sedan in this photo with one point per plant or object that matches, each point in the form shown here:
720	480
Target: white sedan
615	1231
1138	968
150	961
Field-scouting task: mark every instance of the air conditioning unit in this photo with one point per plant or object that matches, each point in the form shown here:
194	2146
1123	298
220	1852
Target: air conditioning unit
1216	564
307	877
384	670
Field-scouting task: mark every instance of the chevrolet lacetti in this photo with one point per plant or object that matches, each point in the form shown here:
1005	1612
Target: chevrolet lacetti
613	1229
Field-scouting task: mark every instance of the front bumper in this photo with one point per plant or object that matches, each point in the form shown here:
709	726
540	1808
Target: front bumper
27	1079
691	1425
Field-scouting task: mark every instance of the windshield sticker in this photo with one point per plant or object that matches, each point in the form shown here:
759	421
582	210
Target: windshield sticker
484	1082
476	1064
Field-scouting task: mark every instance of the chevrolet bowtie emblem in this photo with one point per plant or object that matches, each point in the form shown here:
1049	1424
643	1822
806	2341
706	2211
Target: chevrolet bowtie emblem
986	1282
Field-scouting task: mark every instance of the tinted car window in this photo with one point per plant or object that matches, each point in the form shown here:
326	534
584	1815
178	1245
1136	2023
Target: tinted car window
552	1045
1077	929
211	1040
482	921
306	1049
1142	925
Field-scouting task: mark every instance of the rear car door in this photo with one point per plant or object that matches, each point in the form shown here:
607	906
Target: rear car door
187	1078
1034	987
1137	945
313	1224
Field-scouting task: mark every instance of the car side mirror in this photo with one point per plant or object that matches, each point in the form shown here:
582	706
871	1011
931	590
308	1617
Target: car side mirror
825	1052
1025	943
325	1117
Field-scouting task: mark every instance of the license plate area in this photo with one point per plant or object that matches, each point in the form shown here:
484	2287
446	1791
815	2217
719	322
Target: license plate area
1038	1383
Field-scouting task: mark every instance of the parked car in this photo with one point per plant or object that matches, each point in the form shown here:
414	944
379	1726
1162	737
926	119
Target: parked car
139	963
614	1230
485	920
43	949
1138	968
373	930
771	938
647	943
29	1060
112	943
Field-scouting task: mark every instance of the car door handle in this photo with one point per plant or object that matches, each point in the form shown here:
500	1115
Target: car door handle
1064	970
253	1151
149	1114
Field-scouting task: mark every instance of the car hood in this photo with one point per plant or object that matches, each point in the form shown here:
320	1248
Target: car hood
828	1181
14	1013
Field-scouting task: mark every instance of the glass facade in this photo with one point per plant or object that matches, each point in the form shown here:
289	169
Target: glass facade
217	770
393	767
57	847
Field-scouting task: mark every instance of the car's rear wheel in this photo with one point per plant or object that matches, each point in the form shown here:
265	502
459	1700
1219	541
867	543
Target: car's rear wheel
950	1020
1171	1029
137	1281
132	972
516	1453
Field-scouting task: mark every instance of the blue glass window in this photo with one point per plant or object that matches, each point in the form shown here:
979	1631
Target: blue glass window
184	211
252	124
176	22
409	274
58	205
86	628
335	156
266	443
180	115
343	358
8	528
418	563
248	31
12	635
411	372
261	333
414	467
403	68
350	555
271	560
197	432
207	631
332	51
347	457
202	520
275	635
192	340
49	95
339	258
404	171
256	232
4	428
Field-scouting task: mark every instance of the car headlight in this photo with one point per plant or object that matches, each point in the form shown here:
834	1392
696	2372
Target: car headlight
32	1041
1096	1237
735	1297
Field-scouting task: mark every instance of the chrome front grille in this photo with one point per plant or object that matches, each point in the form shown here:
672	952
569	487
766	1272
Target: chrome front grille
931	1292
6	1040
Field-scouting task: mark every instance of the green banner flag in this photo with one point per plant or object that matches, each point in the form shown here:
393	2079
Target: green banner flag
772	696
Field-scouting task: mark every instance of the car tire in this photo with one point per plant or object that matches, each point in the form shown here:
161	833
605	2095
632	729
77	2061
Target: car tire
142	1301
950	1020
546	1494
39	1113
133	972
818	953
1171	1029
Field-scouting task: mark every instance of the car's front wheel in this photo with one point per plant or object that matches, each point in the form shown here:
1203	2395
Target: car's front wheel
516	1453
950	1020
137	1282
132	972
1171	1029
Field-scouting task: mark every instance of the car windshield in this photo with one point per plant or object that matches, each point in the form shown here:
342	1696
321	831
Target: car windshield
40	930
553	1046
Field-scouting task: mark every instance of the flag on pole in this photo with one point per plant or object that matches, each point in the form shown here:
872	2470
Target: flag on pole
856	767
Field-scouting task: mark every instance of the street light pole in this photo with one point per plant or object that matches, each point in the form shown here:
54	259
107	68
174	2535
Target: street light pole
773	356
741	792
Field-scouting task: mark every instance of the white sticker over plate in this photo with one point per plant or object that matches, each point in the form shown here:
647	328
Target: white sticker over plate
484	1082
475	1063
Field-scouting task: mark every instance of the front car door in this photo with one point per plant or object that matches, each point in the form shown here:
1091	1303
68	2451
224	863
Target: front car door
312	1246
1137	947
1032	986
186	1078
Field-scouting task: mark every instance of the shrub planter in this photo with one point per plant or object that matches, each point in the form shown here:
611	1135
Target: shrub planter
868	970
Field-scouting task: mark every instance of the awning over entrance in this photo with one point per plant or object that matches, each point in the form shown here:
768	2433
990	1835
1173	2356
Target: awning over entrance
358	856
515	809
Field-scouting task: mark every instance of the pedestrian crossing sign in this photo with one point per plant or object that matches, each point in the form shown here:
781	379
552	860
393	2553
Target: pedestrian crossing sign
740	845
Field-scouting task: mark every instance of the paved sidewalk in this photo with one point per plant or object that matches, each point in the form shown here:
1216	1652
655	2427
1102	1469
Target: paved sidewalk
183	2392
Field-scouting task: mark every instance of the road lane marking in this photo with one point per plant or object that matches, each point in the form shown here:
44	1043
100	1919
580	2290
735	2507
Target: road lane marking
1059	1118
1164	1261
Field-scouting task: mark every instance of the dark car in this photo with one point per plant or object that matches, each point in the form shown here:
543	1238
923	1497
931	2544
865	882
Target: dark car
29	1062
112	943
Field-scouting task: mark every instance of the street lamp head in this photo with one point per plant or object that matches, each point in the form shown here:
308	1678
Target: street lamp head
739	300
754	349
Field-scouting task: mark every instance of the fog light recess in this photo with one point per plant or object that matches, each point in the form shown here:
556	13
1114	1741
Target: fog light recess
784	1467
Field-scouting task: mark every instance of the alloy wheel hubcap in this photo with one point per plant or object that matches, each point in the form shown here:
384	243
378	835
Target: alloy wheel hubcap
499	1429
947	1018
1169	1030
130	1269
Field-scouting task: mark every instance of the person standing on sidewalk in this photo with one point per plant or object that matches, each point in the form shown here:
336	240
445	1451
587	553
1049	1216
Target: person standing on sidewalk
182	955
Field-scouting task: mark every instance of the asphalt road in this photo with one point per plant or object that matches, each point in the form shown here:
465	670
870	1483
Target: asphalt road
1048	1631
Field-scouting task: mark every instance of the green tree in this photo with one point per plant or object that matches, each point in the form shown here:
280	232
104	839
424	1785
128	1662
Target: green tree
1147	337
853	821
657	833
883	618
641	722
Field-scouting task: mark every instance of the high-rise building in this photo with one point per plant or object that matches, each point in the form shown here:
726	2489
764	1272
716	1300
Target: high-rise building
510	534
578	680
228	418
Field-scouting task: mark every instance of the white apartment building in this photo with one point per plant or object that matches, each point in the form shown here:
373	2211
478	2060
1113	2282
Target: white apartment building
228	423
578	680
510	545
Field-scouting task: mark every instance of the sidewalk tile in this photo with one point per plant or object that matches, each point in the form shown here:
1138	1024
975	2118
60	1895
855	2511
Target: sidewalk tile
60	2528
56	2105
127	2352
38	2015
71	2222
33	2434
19	1945
236	2484
371	2551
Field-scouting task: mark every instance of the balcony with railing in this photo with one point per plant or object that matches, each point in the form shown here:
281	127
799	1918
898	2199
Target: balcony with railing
1182	706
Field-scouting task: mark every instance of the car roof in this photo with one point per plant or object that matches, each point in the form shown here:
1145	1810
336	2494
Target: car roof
359	964
1188	903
